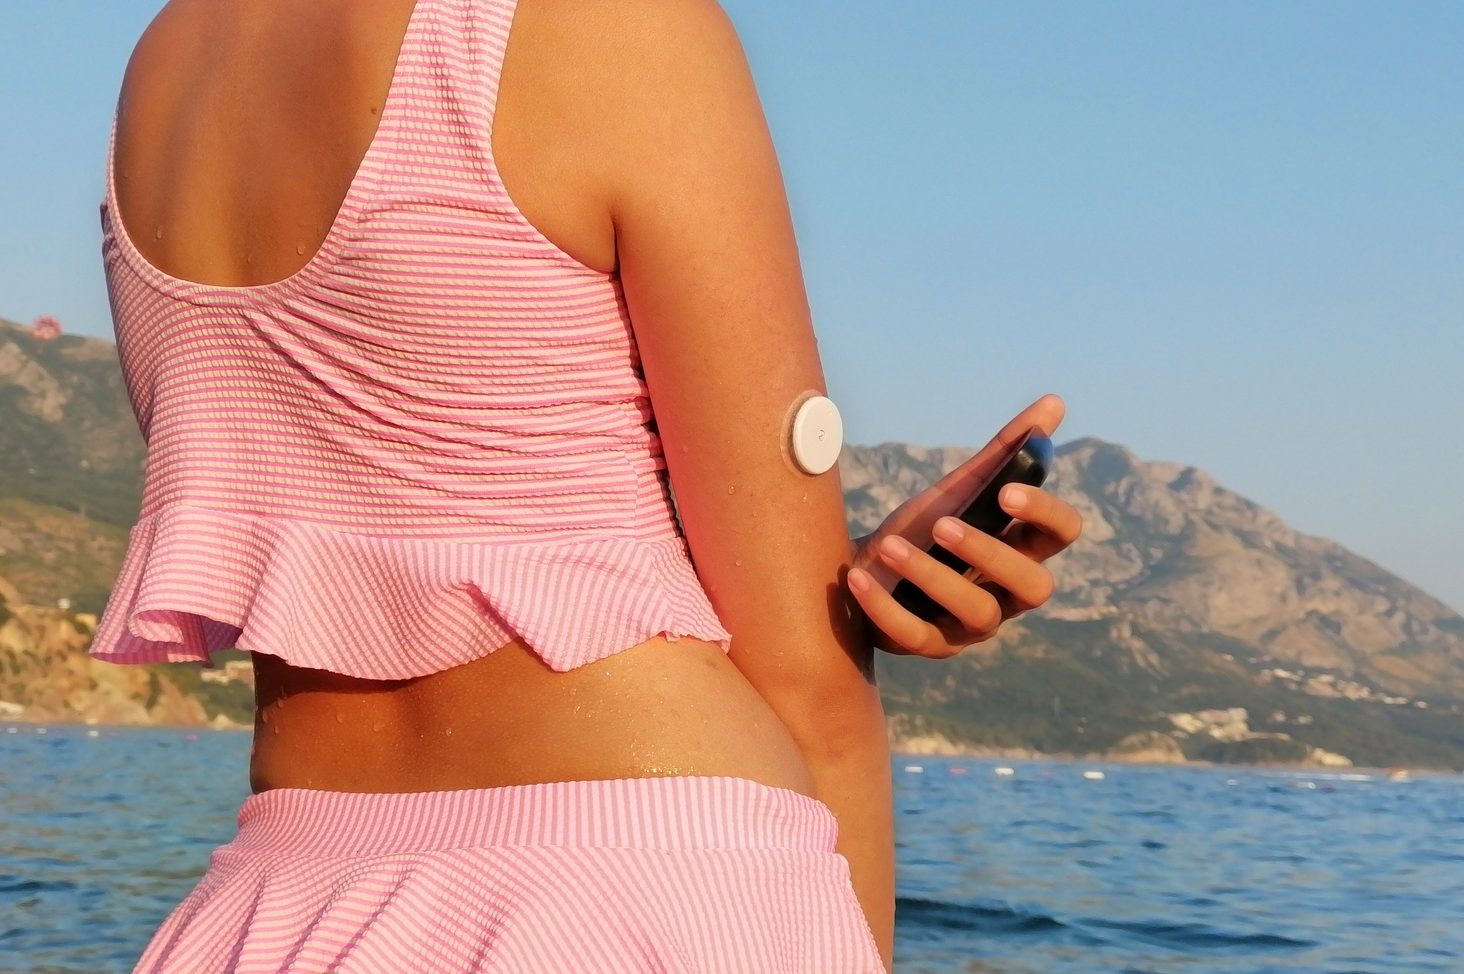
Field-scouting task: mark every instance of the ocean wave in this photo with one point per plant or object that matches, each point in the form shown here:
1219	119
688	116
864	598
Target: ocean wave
1193	935
914	911
996	919
15	885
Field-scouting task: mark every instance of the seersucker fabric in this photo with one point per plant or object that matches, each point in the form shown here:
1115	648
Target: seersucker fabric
671	875
432	438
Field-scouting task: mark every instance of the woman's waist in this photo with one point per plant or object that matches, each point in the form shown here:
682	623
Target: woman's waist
660	708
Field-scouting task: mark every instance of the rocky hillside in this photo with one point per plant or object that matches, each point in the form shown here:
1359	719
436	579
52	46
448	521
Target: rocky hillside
70	477
46	675
1167	548
1189	621
1181	552
1181	598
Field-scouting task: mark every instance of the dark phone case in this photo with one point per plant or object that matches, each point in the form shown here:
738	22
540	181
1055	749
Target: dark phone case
1028	464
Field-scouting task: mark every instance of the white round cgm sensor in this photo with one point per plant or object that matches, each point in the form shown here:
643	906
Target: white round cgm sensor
818	435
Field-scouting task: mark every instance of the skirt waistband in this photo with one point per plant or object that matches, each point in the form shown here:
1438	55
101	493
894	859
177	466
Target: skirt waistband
666	812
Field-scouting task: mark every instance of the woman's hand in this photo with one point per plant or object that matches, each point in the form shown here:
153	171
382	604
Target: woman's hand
1012	578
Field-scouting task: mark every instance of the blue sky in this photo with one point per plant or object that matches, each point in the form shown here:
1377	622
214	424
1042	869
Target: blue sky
1230	234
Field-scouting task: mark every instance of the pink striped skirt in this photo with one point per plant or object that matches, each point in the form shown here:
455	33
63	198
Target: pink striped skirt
666	874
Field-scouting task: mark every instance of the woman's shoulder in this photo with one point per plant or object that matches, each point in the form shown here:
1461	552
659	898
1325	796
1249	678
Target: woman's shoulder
598	100
628	46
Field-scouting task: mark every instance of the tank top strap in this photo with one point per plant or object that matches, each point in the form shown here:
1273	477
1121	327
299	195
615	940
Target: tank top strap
449	67
444	96
486	25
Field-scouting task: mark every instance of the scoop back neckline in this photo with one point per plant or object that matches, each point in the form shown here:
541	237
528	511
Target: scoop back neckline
361	182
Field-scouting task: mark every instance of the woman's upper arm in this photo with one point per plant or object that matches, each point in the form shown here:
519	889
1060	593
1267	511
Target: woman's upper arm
712	281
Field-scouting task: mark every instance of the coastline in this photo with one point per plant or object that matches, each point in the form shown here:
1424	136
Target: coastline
898	754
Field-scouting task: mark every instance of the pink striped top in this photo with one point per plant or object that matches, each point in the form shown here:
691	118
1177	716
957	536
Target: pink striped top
433	437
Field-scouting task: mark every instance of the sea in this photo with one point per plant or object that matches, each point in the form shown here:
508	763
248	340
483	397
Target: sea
1016	867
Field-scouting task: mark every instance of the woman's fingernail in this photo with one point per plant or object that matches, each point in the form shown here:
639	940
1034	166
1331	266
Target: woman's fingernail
950	530
858	581
1016	499
895	547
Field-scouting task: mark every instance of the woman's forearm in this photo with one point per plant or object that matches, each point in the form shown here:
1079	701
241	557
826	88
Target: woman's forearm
850	764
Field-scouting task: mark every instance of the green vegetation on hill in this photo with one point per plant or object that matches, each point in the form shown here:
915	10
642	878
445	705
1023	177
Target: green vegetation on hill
51	553
1069	687
1266	750
234	700
44	468
69	438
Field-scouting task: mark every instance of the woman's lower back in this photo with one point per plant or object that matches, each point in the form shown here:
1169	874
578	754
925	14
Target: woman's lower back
660	708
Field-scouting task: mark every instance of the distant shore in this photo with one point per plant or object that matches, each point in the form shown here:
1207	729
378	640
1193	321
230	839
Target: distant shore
12	725
1038	757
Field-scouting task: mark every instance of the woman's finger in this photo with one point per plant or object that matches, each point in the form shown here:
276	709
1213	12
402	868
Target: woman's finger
1027	583
968	604
906	632
962	484
1049	524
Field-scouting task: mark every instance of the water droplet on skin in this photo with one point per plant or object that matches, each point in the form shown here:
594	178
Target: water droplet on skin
300	249
731	490
448	732
158	233
264	716
340	718
737	562
377	728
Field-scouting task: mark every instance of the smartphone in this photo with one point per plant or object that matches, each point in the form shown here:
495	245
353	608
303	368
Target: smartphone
1028	463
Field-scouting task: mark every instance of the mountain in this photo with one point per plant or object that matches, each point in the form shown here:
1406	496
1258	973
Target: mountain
46	675
1166	547
1188	621
71	463
1183	602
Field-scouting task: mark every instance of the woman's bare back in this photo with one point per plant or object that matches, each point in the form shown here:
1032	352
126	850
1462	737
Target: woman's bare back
240	127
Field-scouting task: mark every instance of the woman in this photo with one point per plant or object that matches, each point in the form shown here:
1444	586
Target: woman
395	285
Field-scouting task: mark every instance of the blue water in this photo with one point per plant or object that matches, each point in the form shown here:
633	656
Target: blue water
1043	871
